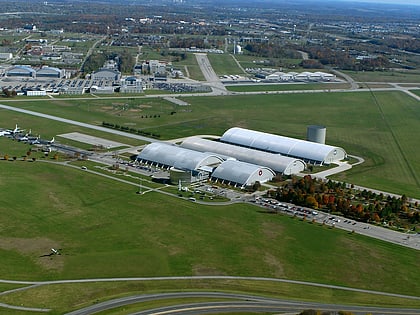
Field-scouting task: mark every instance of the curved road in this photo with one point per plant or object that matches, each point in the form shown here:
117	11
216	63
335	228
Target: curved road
240	303
128	300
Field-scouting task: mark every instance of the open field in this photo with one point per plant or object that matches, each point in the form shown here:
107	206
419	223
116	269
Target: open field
412	76
104	229
190	68
377	126
223	64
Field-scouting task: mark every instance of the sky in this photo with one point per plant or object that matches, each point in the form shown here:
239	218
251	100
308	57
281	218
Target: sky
417	2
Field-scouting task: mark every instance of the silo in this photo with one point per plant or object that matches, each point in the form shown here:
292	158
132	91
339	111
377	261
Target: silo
316	133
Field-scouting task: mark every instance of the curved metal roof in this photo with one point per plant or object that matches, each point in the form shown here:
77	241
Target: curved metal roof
277	162
310	151
244	174
175	156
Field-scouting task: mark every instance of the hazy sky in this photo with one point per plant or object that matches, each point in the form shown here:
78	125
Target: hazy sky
417	2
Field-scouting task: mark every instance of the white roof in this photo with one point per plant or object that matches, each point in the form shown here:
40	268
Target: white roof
175	156
306	150
278	163
244	174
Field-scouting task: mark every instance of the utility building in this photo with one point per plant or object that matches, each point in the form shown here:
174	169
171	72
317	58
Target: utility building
311	152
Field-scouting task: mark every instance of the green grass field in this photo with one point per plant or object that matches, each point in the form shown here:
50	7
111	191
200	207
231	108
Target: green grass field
104	229
223	64
190	68
376	126
411	76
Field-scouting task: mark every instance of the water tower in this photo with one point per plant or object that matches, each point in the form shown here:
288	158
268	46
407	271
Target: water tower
316	133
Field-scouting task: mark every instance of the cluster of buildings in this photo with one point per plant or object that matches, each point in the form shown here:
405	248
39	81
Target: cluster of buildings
240	157
306	76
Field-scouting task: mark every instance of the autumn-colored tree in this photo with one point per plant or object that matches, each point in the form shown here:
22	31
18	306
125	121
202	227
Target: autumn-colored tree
311	202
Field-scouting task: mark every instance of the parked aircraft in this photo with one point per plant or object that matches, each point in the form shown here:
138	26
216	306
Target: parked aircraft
4	133
17	129
35	140
23	138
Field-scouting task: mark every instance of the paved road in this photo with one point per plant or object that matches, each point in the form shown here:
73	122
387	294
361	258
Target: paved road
78	123
211	76
240	303
129	299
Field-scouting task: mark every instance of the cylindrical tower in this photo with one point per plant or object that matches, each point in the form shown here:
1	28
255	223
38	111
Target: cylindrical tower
316	133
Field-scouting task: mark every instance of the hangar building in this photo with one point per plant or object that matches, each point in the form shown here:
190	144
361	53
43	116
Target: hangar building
237	173
276	162
50	72
21	71
311	152
193	164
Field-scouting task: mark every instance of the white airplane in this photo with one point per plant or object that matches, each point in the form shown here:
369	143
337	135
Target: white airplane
4	133
55	251
35	141
24	138
17	129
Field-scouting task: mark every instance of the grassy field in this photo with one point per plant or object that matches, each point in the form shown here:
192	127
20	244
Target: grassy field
104	229
223	64
190	68
385	76
377	126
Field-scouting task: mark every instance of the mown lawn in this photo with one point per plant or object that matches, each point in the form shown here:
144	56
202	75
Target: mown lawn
379	126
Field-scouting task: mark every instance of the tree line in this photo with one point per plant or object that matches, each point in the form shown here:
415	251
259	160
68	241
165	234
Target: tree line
341	198
131	130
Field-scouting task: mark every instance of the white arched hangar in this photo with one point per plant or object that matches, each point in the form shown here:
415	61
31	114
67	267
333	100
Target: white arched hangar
278	163
308	151
167	155
237	173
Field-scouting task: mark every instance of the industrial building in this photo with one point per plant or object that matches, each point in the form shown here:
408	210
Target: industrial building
185	164
237	173
131	85
50	72
310	152
188	166
106	74
21	71
276	162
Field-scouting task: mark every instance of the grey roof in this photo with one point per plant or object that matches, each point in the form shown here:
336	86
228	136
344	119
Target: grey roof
175	156
306	150
277	162
242	173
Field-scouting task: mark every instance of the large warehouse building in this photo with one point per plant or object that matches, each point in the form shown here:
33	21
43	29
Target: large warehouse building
241	174
276	162
184	163
311	152
188	166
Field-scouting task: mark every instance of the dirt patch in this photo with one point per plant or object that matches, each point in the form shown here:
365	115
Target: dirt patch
38	249
275	265
271	230
200	270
